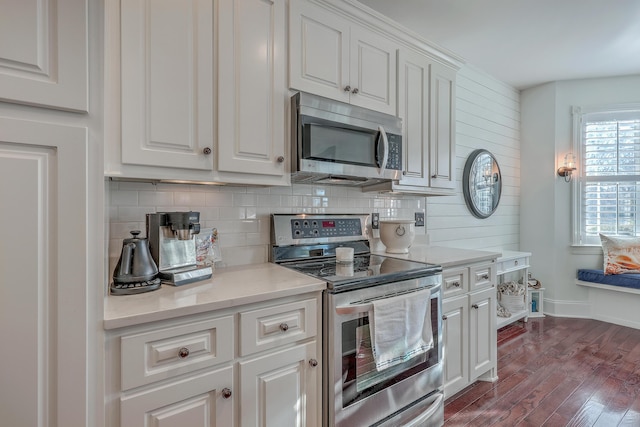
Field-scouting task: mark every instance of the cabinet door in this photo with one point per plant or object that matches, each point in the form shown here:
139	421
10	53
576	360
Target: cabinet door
199	401
252	87
455	332
318	51
483	335
372	71
442	141
44	261
282	388
413	109
167	83
43	53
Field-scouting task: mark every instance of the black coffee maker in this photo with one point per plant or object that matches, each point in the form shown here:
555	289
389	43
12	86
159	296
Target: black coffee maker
173	247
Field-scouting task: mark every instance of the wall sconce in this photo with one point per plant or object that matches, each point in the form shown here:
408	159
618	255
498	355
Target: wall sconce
569	166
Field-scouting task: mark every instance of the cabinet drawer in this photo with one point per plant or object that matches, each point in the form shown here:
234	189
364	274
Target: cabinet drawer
455	282
482	276
163	353
270	327
512	264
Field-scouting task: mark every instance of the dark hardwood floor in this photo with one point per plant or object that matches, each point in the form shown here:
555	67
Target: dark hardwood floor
559	372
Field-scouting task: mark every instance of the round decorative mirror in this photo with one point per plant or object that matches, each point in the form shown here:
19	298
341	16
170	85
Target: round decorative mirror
482	183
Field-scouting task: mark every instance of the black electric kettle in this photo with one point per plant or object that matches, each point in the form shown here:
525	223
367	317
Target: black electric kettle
136	271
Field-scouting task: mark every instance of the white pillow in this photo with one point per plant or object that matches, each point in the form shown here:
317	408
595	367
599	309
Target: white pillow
621	255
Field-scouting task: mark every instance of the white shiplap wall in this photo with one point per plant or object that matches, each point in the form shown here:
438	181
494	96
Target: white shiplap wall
488	116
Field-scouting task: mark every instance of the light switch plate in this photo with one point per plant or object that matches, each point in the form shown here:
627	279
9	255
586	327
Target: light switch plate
375	221
419	219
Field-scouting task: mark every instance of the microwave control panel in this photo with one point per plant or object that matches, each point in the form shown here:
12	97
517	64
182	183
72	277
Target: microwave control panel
394	161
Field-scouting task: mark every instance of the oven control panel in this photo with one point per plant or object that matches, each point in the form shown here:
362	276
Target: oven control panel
292	229
320	228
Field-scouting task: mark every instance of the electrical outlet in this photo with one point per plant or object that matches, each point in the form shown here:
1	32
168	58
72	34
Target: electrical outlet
375	221
419	219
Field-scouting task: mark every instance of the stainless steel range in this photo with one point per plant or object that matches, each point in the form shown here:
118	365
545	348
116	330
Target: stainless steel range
357	390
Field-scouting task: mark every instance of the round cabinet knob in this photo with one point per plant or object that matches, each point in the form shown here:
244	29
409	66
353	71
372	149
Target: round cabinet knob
475	306
355	90
206	151
226	393
444	317
347	88
280	159
183	352
284	327
434	176
456	284
485	276
313	363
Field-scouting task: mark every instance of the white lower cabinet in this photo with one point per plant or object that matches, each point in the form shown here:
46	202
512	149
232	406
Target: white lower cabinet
203	400
469	331
269	384
253	365
455	330
482	333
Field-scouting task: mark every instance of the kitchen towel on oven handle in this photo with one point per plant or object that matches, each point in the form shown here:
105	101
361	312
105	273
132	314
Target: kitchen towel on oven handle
400	328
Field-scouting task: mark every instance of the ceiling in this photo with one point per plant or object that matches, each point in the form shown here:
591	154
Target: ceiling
529	42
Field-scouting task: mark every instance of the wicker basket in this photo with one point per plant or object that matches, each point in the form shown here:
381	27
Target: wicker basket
512	302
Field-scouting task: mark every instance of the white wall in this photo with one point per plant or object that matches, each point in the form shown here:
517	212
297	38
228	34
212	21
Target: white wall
487	117
546	202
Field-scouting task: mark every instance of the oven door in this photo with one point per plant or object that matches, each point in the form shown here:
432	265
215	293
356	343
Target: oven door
358	394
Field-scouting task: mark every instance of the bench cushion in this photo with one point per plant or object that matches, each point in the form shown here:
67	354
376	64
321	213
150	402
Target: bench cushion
627	280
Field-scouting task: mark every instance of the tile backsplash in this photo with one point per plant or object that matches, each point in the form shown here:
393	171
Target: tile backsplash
241	214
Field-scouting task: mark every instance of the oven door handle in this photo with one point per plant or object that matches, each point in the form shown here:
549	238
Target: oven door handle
365	307
354	308
422	418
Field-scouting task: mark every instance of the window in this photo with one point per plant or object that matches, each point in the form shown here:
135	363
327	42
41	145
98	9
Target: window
607	189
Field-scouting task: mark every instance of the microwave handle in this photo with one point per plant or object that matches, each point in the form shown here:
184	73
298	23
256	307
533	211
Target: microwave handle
385	147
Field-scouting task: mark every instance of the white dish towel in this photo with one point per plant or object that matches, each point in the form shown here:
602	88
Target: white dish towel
400	328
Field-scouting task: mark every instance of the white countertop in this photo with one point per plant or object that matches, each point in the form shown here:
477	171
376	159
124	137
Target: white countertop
229	287
444	256
507	255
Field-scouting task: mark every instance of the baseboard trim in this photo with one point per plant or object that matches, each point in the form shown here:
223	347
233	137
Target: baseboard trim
562	308
612	307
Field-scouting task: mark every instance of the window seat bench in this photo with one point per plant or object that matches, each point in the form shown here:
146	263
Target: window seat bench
615	282
611	298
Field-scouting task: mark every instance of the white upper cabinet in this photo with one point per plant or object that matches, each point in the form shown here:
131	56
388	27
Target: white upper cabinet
426	103
202	88
413	109
167	83
442	144
252	92
333	57
43	53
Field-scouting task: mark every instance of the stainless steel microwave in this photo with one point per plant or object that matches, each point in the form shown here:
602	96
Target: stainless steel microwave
337	143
